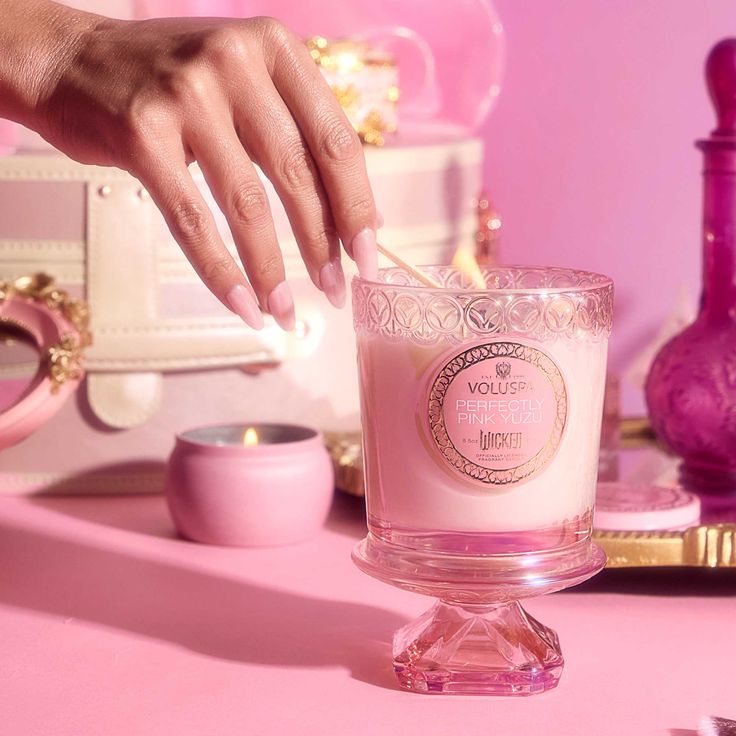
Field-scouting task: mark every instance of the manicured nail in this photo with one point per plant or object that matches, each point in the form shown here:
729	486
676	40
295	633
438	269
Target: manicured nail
366	254
332	282
281	306
243	302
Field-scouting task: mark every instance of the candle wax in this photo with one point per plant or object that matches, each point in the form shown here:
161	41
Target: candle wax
410	484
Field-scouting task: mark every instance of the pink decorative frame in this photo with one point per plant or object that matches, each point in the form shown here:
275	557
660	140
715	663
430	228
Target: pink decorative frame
58	325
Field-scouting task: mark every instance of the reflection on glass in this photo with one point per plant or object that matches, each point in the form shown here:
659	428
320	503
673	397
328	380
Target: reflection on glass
19	363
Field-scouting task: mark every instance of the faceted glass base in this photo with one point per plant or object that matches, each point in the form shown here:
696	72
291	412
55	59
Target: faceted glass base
477	650
477	639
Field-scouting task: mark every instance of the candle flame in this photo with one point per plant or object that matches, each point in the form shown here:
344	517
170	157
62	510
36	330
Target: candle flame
466	262
250	437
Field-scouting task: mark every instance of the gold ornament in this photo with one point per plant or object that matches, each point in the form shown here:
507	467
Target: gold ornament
348	96
340	60
65	359
372	128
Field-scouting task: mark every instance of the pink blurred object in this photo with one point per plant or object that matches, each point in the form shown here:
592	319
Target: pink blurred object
450	55
691	387
634	507
249	486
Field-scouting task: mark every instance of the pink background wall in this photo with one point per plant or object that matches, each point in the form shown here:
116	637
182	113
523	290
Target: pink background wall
590	156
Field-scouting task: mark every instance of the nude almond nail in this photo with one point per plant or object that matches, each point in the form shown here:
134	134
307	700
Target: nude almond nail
243	302
281	306
366	254
332	282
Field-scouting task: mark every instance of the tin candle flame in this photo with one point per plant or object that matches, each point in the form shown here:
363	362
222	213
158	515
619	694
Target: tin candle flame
250	437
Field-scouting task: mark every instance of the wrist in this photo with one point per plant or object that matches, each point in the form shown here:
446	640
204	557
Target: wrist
40	40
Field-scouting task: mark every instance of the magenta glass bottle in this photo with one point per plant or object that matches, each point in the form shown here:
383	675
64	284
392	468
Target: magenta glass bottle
691	387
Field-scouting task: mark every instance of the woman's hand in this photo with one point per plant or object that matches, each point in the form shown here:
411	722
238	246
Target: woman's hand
152	96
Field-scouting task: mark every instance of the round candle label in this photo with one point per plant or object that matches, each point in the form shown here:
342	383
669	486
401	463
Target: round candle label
497	412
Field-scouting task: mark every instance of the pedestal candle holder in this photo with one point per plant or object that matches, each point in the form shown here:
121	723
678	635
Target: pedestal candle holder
481	411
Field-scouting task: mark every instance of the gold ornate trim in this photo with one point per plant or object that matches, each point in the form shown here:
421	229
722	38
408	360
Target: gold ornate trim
347	459
63	361
478	354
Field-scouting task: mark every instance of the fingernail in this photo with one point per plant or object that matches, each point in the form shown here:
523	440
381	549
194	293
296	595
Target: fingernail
332	282
380	222
243	302
281	306
366	254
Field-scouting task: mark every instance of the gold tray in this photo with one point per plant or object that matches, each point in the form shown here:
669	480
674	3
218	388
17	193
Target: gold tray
707	545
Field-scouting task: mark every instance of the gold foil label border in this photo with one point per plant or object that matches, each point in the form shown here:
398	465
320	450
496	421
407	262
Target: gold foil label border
471	356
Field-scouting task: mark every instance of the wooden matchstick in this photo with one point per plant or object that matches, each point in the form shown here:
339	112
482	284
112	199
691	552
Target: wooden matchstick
423	278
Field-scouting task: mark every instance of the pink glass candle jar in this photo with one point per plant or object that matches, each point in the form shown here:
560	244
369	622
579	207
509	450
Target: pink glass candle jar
249	485
482	408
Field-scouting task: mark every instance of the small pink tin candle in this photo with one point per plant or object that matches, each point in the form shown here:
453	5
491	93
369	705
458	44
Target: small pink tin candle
249	485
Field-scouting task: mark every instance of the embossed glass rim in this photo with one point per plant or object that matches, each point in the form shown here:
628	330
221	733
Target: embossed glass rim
551	303
581	281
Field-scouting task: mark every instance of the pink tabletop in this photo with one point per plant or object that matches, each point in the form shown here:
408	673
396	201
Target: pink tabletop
111	625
